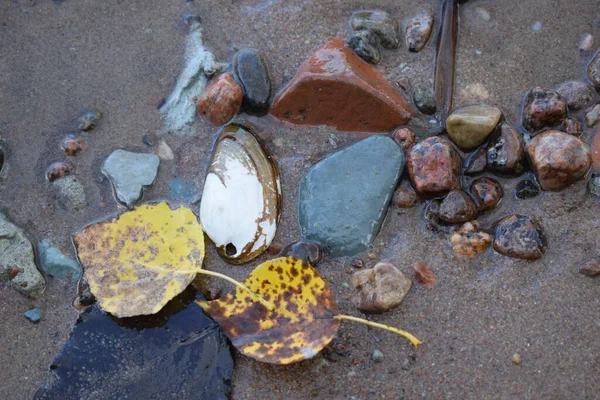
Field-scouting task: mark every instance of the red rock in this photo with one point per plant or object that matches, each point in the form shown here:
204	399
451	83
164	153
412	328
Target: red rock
543	109
221	100
434	167
487	193
596	150
558	159
335	87
405	138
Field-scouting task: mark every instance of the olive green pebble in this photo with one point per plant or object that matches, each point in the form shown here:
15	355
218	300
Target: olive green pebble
377	356
516	359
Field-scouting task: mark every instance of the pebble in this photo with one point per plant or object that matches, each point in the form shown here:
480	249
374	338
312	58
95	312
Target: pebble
343	199
380	288
366	45
434	167
307	251
468	240
221	100
487	193
470	126
58	170
252	71
129	173
506	152
572	127
17	250
594	184
147	140
418	31
380	23
526	189
457	207
424	99
520	237
377	356
516	359
72	192
164	151
476	162
596	150
72	144
483	14
558	159
33	315
577	94
592	116
590	267
404	196
543	108
432	214
88	120
536	27
593	71
586	45
405	138
58	265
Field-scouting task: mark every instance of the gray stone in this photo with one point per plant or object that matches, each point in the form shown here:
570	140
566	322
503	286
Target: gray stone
33	315
343	199
17	260
380	23
592	117
377	356
380	288
71	191
252	71
366	45
129	173
424	99
594	184
58	265
577	94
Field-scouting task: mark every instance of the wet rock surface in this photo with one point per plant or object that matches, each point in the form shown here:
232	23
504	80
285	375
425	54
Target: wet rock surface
380	288
58	265
593	71
506	152
343	199
543	108
380	23
335	87
487	193
221	100
526	189
252	71
366	45
418	31
520	237
457	207
577	94
470	126
307	251
476	162
434	167
558	159
468	240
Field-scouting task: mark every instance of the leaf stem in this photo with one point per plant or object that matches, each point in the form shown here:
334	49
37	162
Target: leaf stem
416	342
258	298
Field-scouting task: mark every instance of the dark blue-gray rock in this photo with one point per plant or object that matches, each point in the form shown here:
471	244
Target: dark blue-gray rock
366	45
33	315
526	189
129	173
252	72
58	265
178	353
343	199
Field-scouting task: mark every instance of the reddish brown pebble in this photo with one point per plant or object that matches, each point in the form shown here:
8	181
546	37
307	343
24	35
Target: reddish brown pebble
457	207
335	87
487	193
572	127
543	109
434	167
558	159
469	241
221	100
405	138
520	237
476	162
590	267
506	152
72	144
424	275
58	170
596	150
404	196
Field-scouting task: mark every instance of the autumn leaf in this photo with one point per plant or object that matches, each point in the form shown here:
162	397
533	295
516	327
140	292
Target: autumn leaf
304	320
424	276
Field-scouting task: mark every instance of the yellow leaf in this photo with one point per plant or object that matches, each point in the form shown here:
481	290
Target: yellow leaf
136	262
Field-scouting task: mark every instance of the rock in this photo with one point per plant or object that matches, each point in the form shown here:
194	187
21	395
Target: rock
58	170
58	265
520	237
71	192
343	199
17	260
526	189
432	214
596	150
516	359
468	240
221	100
434	167
586	45
469	127
592	116
476	162
335	87
572	127
405	138
380	288
164	151
366	45
377	356
33	315
404	196
252	71
558	159
129	173
418	31
307	251
88	120
457	207
543	108
590	267
594	184
577	94
424	99
424	275
380	23
72	144
593	71
506	152
487	193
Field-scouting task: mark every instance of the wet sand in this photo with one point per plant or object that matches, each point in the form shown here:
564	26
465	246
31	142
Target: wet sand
122	57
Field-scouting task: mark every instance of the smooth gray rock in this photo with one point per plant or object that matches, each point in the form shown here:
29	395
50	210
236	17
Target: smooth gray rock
343	199
33	315
129	173
58	265
71	191
17	260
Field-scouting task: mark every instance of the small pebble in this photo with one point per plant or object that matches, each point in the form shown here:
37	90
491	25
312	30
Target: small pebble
72	144
572	127
487	193
590	267
418	31
520	236
586	45
366	45
58	170
380	23
33	315
147	140
380	288
516	359
358	264
543	108
468	240
307	251
593	71
221	100
592	116
577	94
476	162
457	207
405	138
88	120
536	27
424	99
405	196
377	356
526	189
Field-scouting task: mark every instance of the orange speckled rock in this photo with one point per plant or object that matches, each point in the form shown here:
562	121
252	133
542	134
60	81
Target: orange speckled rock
434	167
558	159
220	100
335	87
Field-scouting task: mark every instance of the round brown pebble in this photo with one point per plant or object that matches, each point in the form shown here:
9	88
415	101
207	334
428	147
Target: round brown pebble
405	196
487	193
405	138
457	207
72	144
221	100
58	170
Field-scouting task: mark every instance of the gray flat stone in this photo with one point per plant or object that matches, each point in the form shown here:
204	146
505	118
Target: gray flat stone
33	315
343	199
129	173
58	265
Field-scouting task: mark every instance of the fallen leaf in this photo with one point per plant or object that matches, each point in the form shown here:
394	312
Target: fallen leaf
590	267
424	276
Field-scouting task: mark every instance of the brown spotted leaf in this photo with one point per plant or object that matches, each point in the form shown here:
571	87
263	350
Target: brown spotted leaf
137	261
302	322
590	267
424	276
